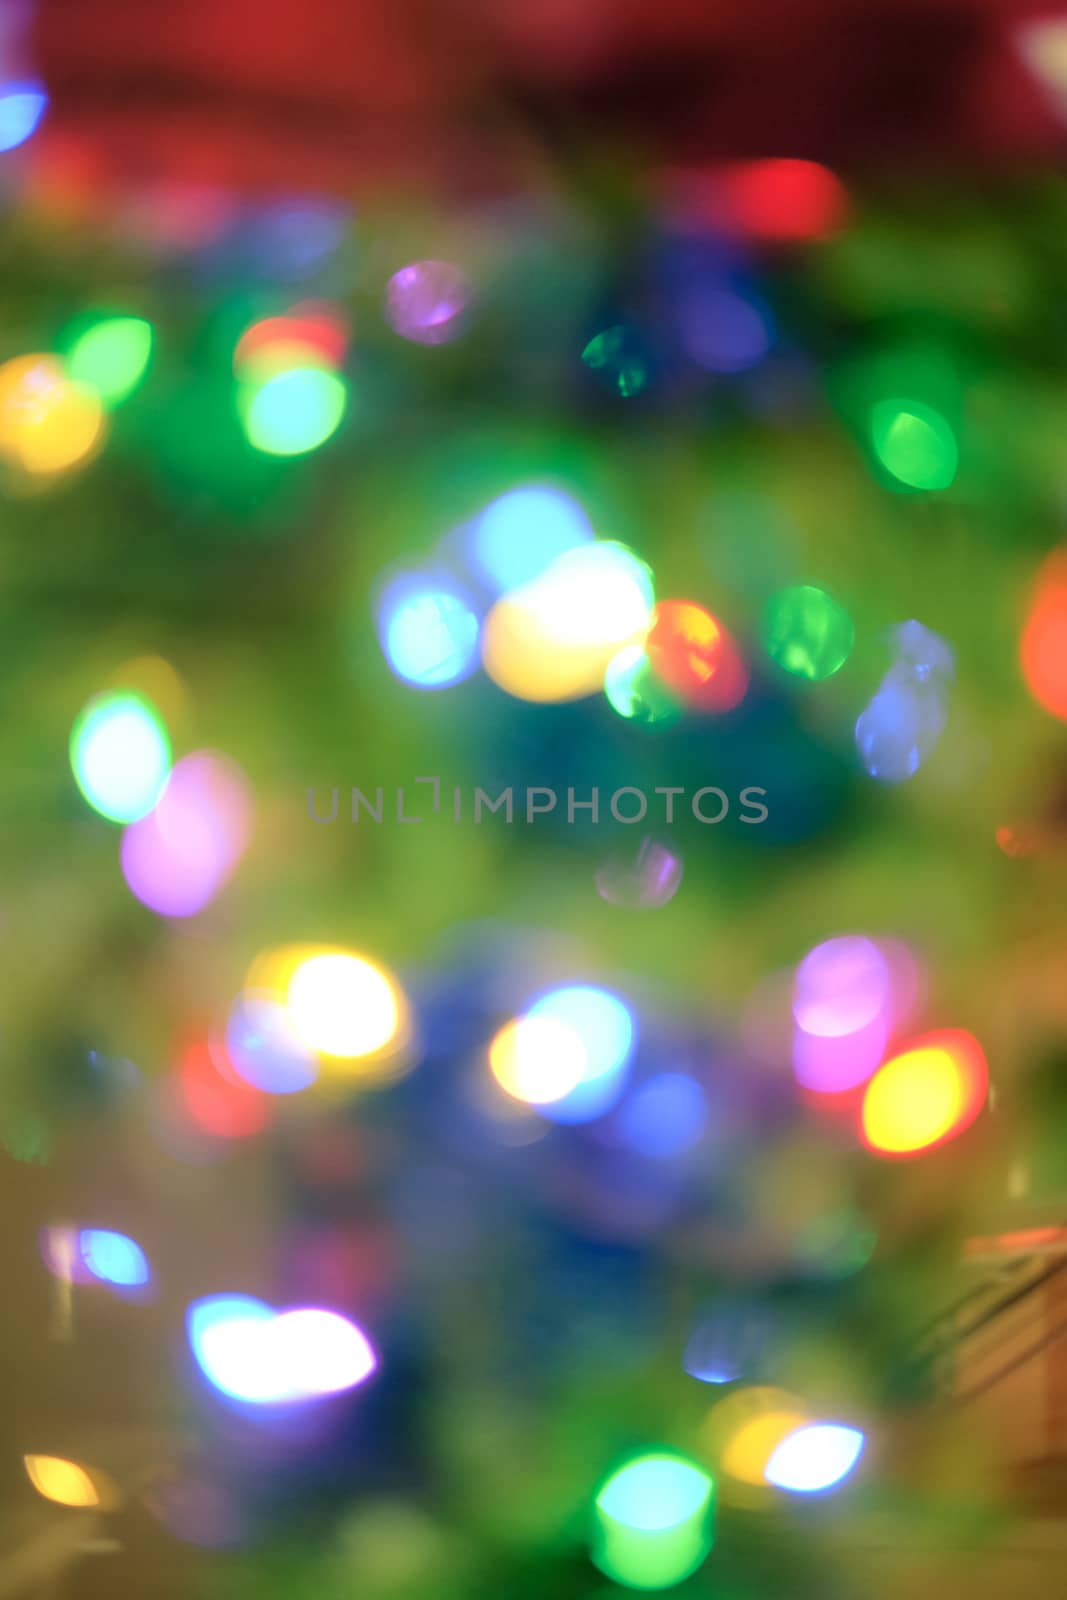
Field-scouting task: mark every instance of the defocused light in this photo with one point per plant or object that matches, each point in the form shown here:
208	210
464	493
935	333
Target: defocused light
832	1064
178	857
263	1050
899	728
120	755
744	1429
322	1353
633	689
113	1258
428	632
616	357
425	301
65	1482
111	357
22	105
926	1095
295	411
1042	43
552	639
343	1005
665	1116
807	633
537	1059
723	331
645	882
696	657
728	1342
311	335
47	422
815	1457
522	532
226	1337
605	1028
777	201
252	1353
1043	649
221	1104
840	986
914	443
654	1522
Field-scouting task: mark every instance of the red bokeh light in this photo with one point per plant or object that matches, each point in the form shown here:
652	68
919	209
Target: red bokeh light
695	656
219	1103
1043	648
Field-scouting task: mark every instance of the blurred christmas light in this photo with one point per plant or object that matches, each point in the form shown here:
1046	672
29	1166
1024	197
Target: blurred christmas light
113	1258
537	1059
696	657
840	986
616	357
1042	43
343	1005
646	881
832	1064
254	1354
425	301
774	201
815	1457
654	1521
745	1428
727	1343
915	444
219	1102
518	535
294	411
926	1095
111	357
22	105
48	423
724	331
666	1116
1043	647
428	631
552	639
263	1050
633	689
66	1483
901	725
606	1030
311	335
807	632
120	755
179	856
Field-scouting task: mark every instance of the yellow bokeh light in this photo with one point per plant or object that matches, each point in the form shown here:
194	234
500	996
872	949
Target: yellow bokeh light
342	1005
914	1101
747	1453
553	638
47	422
537	1060
64	1482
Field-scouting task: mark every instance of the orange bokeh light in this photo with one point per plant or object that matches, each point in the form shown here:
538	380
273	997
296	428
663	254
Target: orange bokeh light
694	655
1043	647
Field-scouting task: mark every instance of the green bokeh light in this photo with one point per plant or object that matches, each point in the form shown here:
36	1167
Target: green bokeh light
112	357
914	443
654	1521
296	411
120	754
807	632
635	692
614	355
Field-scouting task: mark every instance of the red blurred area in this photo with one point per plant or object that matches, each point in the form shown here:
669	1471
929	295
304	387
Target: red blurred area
347	96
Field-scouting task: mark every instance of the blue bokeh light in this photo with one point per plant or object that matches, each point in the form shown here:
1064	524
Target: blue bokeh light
665	1116
22	105
428	631
113	1258
607	1030
520	534
263	1050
